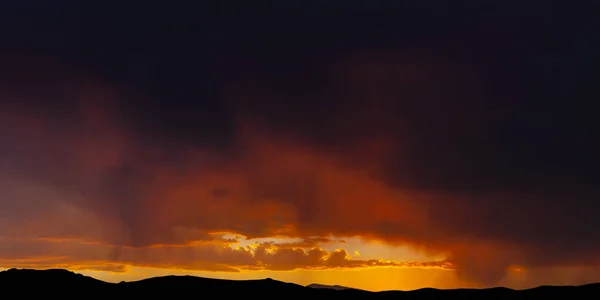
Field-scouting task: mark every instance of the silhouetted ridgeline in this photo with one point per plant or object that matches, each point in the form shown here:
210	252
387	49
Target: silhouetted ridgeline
64	283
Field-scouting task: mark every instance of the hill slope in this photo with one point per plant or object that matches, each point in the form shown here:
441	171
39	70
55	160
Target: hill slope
52	280
331	287
57	282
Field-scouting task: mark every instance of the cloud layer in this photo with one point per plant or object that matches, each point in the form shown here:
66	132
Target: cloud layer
452	143
202	256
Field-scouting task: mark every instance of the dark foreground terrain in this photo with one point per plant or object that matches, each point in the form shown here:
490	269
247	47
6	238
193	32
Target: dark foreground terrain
66	284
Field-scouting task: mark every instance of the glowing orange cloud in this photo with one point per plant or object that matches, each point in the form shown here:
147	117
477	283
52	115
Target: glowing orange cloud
205	256
86	189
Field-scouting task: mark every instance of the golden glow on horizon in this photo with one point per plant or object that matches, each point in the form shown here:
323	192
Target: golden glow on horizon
372	279
389	267
347	261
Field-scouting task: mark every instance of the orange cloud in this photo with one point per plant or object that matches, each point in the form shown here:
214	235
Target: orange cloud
112	190
87	174
204	256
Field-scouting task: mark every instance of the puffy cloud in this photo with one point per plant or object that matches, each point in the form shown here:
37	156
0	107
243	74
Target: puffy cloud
204	256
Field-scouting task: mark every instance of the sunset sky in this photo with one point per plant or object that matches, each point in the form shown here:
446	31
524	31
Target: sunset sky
366	144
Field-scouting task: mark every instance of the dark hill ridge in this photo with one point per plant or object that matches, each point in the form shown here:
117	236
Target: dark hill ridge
204	284
66	283
323	286
55	279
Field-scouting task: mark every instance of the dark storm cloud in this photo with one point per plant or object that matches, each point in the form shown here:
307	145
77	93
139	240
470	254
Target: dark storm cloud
486	110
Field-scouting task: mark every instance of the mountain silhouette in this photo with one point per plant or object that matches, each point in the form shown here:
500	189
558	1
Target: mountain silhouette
331	287
63	283
51	282
193	283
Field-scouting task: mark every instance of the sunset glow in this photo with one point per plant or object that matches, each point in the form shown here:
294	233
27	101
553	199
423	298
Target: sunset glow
379	152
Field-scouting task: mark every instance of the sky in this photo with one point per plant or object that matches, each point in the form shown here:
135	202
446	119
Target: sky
371	144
